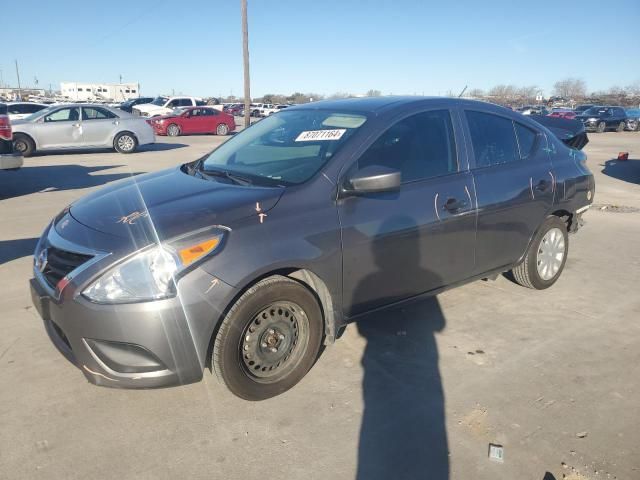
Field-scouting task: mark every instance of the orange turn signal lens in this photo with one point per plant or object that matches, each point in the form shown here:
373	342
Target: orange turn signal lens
191	254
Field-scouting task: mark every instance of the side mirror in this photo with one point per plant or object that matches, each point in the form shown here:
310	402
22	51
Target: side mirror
374	178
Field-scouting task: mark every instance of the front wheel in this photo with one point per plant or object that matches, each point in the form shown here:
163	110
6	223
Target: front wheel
269	340
222	129
23	144
125	142
546	257
173	130
621	126
601	127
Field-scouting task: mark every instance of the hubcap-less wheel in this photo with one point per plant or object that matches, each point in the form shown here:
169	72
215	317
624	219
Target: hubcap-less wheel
274	342
550	254
20	146
173	130
126	143
601	127
222	129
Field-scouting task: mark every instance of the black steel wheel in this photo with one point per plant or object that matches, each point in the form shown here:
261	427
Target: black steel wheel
269	339
23	144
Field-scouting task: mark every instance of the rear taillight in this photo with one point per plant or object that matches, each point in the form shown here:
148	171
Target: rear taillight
5	127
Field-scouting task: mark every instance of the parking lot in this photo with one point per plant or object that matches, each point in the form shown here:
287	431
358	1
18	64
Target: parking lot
551	376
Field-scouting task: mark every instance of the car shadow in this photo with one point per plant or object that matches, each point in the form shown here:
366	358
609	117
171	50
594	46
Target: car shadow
14	249
34	179
160	147
627	170
403	433
151	147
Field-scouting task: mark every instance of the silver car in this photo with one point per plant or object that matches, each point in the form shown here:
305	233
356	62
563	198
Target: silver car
79	126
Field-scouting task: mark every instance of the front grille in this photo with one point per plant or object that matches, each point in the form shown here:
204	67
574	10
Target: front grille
60	263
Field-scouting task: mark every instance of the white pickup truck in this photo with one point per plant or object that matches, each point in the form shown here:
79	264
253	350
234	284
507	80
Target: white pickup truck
164	105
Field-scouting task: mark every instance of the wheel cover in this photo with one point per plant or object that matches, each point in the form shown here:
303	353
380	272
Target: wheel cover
173	130
274	341
222	129
126	143
551	253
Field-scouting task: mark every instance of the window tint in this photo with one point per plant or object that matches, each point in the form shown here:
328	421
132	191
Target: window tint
173	103
209	112
493	138
96	113
421	146
526	140
200	103
63	115
185	102
16	109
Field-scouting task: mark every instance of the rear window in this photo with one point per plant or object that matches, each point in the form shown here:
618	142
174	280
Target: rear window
493	139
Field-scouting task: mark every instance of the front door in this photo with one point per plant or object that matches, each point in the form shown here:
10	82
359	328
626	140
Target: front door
59	129
403	243
515	186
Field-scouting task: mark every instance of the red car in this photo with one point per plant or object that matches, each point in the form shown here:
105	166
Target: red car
568	114
193	120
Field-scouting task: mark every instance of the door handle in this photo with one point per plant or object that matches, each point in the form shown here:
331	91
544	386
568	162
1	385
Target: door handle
542	185
453	205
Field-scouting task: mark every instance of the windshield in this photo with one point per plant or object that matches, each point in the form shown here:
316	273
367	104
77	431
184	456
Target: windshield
159	101
178	111
595	111
288	148
39	113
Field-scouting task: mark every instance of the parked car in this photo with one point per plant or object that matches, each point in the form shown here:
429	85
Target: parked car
251	257
164	105
601	119
581	108
563	113
278	108
128	105
187	120
534	110
9	159
80	126
20	110
633	119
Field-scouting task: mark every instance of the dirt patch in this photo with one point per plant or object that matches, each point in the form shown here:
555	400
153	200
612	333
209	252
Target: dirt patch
609	207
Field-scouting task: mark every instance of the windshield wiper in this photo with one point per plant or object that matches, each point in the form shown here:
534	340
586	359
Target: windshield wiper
235	178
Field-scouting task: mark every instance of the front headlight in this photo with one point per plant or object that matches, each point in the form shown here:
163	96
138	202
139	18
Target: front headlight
151	273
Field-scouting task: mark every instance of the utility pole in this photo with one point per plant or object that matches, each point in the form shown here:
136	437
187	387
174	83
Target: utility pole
120	79
245	58
18	75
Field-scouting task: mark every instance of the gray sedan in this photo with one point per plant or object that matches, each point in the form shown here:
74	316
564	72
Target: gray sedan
62	127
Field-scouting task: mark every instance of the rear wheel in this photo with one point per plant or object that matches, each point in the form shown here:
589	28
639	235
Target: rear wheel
173	130
620	128
546	256
125	142
222	129
24	144
601	127
269	339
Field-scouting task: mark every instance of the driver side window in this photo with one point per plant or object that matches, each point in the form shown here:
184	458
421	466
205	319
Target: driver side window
63	115
421	146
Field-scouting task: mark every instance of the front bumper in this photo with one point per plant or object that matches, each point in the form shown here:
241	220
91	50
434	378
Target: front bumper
138	345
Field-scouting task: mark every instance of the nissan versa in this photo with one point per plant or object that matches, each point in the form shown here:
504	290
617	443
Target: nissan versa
247	260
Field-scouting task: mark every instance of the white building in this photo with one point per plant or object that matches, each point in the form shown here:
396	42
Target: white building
117	92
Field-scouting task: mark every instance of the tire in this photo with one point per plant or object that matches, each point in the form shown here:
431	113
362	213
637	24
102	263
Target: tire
620	127
222	129
531	273
125	142
269	339
173	130
601	127
24	144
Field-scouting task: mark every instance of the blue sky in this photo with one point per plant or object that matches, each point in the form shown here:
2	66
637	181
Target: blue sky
400	46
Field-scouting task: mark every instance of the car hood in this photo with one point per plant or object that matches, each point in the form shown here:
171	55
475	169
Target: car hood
169	203
166	117
148	107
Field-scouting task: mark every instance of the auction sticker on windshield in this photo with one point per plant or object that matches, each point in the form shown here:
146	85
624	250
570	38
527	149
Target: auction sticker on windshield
313	135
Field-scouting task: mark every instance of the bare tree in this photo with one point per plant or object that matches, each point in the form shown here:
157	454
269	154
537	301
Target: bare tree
570	88
374	93
476	93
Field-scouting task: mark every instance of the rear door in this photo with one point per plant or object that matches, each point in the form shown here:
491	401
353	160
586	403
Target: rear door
97	126
403	243
514	186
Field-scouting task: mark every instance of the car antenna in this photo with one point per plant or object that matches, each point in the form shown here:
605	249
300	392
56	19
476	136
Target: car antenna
463	90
